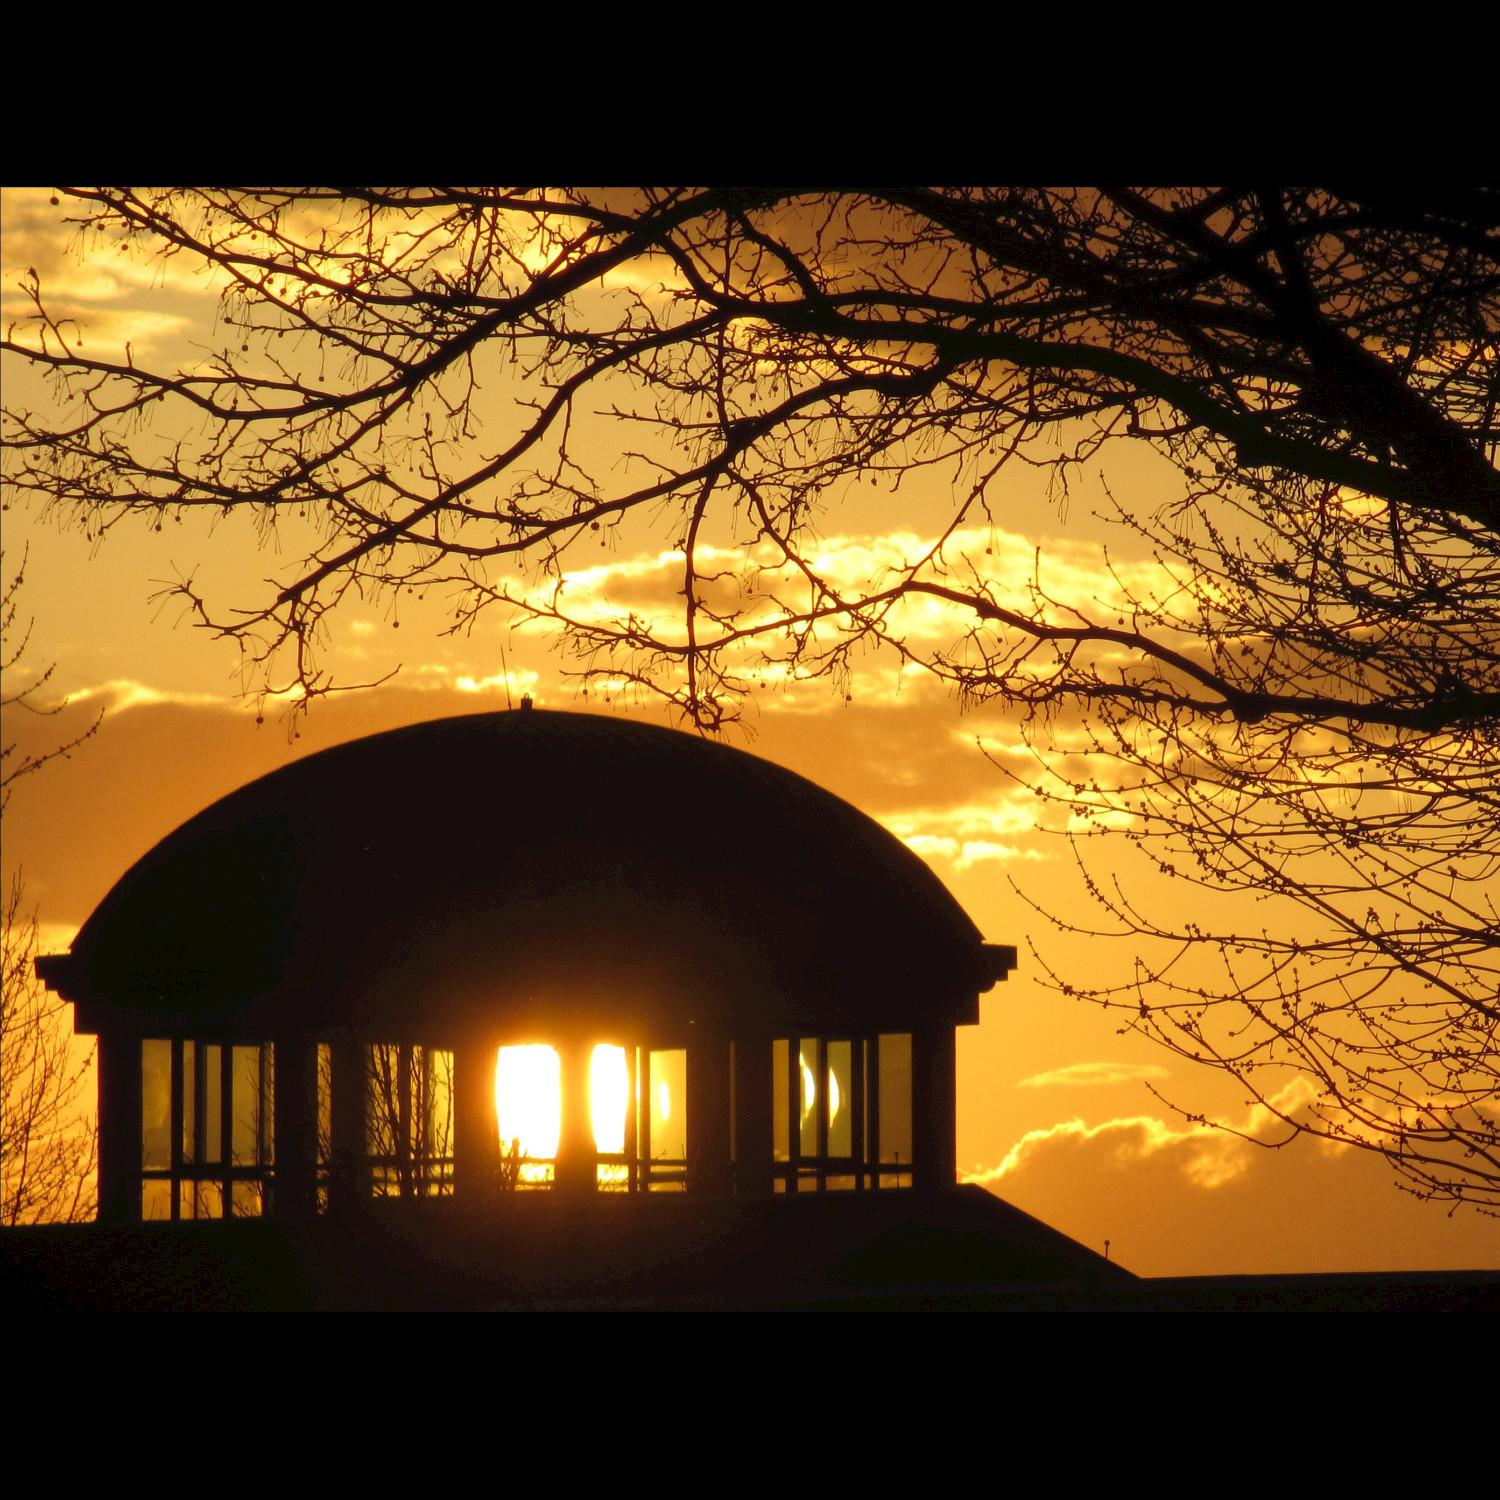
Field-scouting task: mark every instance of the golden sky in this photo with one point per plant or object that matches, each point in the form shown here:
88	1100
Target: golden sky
1056	1109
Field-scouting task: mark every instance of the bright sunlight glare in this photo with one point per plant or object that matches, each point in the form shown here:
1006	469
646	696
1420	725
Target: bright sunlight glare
810	1090
609	1092
528	1101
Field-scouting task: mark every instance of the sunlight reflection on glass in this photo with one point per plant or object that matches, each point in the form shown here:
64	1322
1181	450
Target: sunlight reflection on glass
528	1106
609	1091
807	1131
668	1123
810	1087
840	1091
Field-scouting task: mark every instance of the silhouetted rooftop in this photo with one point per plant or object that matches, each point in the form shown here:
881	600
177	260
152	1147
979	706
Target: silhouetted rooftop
534	862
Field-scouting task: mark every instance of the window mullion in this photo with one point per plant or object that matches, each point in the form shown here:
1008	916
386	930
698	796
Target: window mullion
403	1119
822	1093
175	1115
857	1109
632	1111
226	1126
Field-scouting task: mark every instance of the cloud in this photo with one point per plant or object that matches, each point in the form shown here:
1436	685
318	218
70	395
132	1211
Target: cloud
95	330
512	684
120	694
965	855
754	580
109	290
969	833
1205	1157
1084	1075
55	937
1178	1199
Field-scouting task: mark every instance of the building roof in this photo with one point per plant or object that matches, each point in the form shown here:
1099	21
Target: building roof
515	869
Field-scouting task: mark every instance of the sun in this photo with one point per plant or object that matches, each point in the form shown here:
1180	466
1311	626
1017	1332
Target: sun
528	1104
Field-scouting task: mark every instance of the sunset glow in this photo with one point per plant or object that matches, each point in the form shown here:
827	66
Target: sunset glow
1073	1112
528	1106
810	1090
609	1093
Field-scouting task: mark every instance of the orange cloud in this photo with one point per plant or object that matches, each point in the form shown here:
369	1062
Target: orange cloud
1206	1157
1177	1199
107	288
1083	1075
120	694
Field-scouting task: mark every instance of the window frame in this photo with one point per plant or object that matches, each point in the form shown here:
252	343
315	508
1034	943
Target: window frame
819	1171
189	1169
412	1171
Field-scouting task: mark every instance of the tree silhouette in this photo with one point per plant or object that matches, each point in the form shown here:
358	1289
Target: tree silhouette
409	1120
1294	696
25	691
48	1135
48	1131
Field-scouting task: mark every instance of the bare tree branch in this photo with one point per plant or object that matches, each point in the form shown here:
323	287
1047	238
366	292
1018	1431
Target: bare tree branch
1297	704
48	1134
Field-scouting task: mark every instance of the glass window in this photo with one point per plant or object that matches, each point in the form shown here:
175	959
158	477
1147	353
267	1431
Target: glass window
185	1084
665	1162
189	1103
324	1168
384	1135
851	1120
637	1109
248	1201
895	1107
202	1199
211	1112
156	1106
839	1076
609	1110
250	1111
528	1112
780	1093
409	1120
809	1058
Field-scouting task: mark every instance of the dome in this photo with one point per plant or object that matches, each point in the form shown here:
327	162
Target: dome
526	866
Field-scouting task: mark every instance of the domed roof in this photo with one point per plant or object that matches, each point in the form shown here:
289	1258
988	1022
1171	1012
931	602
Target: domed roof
518	868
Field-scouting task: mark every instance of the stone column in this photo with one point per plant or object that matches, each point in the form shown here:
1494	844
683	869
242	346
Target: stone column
119	1129
349	1174
476	1146
934	1109
576	1158
709	1170
753	1139
295	1115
